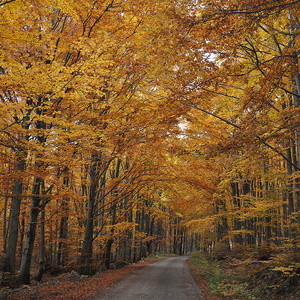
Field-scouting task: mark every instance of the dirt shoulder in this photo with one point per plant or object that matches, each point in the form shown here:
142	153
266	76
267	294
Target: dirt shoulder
72	286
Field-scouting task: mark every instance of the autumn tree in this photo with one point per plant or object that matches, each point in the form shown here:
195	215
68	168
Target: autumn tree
82	93
242	80
134	128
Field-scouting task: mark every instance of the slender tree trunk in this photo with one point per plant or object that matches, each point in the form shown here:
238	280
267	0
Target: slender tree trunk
24	277
297	144
86	257
5	227
296	102
10	263
115	173
63	231
41	266
108	252
237	224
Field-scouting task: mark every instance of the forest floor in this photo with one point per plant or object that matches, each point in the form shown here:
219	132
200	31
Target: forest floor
230	279
72	286
233	278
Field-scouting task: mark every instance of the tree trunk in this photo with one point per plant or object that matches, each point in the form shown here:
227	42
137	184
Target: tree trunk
10	263
24	277
5	227
115	173
85	262
63	230
41	267
86	257
108	253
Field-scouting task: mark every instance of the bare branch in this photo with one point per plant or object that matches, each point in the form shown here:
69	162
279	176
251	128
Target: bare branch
6	2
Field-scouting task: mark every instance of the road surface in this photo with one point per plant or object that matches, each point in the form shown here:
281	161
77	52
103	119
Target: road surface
168	279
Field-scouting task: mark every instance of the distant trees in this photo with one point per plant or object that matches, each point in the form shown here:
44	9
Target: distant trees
246	117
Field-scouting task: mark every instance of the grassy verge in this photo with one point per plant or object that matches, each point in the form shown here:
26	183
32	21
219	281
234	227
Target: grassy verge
220	281
247	277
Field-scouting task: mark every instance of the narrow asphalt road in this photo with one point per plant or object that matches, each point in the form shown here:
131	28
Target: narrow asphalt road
168	279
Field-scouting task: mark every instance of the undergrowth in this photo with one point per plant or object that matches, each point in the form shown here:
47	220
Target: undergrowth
248	278
218	281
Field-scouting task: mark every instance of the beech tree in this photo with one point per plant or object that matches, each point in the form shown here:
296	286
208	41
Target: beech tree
251	83
79	93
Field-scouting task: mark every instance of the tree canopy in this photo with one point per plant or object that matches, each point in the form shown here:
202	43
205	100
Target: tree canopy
129	128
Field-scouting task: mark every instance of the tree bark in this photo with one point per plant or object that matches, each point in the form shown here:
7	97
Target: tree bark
115	173
41	266
24	277
86	257
63	230
10	263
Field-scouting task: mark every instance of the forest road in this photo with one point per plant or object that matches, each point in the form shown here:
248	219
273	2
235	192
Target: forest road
168	279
